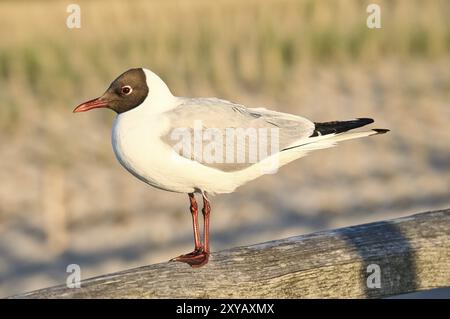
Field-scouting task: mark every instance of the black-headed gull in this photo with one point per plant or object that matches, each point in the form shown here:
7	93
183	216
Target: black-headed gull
205	145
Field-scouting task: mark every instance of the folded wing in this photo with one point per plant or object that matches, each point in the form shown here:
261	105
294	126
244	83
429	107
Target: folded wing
258	132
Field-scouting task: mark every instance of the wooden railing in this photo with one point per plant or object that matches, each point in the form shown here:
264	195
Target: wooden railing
369	261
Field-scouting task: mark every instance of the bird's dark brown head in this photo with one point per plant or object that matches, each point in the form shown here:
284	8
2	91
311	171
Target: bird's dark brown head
125	93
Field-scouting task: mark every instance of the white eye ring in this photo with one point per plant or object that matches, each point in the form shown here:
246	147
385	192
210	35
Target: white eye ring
126	90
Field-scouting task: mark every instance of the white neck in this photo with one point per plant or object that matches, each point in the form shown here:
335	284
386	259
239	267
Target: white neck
159	98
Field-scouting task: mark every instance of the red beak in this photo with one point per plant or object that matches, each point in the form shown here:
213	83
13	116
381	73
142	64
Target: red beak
89	105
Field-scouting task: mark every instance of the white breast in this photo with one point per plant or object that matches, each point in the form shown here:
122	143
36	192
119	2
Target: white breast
138	148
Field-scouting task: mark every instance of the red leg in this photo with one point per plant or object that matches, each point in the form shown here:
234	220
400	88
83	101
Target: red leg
206	212
194	212
199	256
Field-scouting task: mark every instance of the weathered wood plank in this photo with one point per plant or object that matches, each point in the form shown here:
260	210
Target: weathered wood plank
413	254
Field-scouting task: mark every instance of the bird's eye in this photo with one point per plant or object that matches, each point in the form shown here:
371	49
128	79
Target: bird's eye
126	90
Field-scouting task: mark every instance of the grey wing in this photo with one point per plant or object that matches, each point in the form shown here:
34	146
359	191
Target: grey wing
229	136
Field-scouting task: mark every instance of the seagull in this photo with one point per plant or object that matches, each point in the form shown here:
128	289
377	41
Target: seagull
206	146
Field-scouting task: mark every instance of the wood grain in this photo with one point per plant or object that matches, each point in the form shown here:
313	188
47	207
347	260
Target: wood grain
413	254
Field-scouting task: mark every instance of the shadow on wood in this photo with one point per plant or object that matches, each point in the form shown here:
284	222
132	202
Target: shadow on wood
412	253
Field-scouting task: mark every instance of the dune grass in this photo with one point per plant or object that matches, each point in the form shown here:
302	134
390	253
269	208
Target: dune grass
220	47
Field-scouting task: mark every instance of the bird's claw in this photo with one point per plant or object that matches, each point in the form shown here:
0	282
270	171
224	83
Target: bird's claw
195	259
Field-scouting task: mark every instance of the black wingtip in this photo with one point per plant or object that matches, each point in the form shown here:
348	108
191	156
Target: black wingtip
365	120
380	130
336	127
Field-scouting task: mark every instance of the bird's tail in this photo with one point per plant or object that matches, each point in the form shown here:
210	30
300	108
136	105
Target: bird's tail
325	135
329	140
351	135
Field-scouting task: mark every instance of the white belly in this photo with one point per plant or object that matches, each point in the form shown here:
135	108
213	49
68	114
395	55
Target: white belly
138	147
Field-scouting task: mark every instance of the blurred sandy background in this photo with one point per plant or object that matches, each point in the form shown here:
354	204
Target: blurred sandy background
64	198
